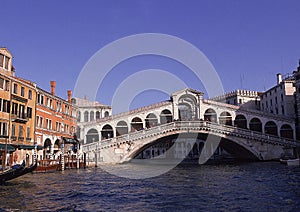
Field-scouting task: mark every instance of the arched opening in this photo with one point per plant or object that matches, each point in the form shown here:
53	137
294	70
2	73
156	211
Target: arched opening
106	114
47	147
86	116
57	146
210	115
165	116
97	115
225	118
92	136
92	116
136	124
121	128
240	121
78	130
271	128
79	117
255	125
286	131
151	120
107	132
185	112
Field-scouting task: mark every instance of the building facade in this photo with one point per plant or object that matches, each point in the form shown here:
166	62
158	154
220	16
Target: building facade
280	99
17	113
89	111
243	98
55	120
297	100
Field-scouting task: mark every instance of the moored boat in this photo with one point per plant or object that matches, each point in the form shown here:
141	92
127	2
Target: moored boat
293	162
16	171
47	165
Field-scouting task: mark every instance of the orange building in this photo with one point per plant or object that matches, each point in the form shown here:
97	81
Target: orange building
17	113
56	120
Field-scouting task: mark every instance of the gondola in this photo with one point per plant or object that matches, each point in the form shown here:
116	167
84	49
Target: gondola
16	171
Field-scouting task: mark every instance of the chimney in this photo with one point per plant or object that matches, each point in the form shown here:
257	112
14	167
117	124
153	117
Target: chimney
279	78
52	84
69	95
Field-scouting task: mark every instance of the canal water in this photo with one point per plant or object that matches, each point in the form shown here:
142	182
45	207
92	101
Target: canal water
259	186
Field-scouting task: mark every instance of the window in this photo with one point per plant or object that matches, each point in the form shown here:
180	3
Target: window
3	129
1	104
92	116
1	60
14	108
21	111
20	132
13	130
7	84
6	62
97	115
29	112
1	83
15	88
79	116
28	133
6	106
22	91
86	116
41	122
30	94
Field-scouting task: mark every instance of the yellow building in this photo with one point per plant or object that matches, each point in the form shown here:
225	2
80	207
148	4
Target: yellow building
17	112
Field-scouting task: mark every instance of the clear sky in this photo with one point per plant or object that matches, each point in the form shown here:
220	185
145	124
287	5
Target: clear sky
248	42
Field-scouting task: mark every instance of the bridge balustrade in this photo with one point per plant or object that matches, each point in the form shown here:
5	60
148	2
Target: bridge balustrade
193	126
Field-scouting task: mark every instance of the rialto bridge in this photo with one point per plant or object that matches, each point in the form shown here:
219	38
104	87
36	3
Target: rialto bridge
185	123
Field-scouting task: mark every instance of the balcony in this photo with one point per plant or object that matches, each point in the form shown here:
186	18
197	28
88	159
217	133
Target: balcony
20	119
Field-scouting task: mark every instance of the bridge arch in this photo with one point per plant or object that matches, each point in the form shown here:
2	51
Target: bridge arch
166	116
255	124
121	128
107	132
136	124
271	128
286	131
240	121
210	115
151	120
225	118
92	136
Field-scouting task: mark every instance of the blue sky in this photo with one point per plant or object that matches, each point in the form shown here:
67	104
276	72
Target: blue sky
248	42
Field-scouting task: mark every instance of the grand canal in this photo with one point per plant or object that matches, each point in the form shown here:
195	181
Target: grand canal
267	186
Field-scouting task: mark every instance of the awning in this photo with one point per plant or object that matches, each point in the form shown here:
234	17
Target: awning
27	147
10	148
70	140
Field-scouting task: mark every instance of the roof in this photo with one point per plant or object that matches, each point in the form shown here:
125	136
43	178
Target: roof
87	103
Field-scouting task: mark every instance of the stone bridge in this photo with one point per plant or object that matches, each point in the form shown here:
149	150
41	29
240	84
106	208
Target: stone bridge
184	119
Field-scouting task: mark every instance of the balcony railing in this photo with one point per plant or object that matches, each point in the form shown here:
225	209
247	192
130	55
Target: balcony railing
21	119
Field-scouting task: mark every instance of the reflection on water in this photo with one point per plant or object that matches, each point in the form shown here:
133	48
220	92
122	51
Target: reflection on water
267	186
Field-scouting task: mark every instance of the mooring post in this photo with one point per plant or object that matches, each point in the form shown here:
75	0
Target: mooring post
62	156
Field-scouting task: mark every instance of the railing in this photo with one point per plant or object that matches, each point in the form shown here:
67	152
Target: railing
195	126
149	107
246	110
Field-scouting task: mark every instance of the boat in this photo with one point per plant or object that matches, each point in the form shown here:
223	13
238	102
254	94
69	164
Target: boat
47	165
293	162
16	171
